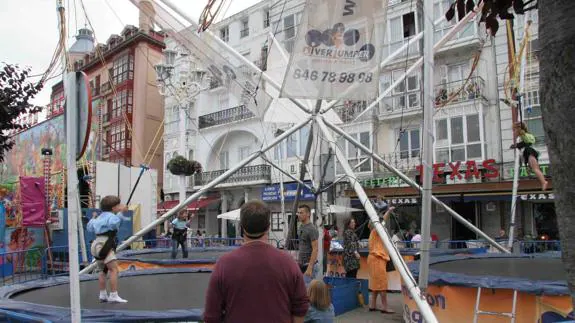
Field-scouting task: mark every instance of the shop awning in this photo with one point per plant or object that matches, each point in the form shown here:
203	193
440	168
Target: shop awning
194	206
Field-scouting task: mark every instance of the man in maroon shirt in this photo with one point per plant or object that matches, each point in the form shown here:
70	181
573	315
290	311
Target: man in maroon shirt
256	282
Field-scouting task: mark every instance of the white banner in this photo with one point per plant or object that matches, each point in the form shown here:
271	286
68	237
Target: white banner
230	73
337	52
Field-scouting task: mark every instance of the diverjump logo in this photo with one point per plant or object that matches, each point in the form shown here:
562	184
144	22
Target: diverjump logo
337	40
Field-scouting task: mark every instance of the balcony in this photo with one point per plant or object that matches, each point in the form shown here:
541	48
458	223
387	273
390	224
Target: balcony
258	174
459	91
105	88
413	50
401	103
225	116
351	109
467	35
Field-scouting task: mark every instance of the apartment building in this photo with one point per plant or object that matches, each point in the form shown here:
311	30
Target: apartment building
220	130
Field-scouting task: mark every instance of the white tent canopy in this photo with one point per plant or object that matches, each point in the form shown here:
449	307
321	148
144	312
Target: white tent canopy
231	215
338	209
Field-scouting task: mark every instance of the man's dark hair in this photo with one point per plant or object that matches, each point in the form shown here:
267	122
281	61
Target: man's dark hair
108	202
255	219
303	206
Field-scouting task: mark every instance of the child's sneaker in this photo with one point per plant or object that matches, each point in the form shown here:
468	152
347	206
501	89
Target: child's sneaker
103	297
115	298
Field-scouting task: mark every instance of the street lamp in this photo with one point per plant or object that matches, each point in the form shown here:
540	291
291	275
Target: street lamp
185	89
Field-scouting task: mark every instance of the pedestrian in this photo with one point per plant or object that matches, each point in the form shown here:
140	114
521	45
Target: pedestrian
308	235
103	248
377	265
321	309
180	233
351	255
256	282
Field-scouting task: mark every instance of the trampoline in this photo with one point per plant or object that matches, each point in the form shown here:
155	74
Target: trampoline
161	258
458	285
335	262
153	295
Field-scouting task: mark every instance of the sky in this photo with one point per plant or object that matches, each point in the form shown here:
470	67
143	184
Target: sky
29	28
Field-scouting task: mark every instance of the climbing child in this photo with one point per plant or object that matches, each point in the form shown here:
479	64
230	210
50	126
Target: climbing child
530	155
180	227
103	248
321	309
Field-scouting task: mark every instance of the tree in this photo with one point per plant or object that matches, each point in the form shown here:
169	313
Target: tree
557	68
15	95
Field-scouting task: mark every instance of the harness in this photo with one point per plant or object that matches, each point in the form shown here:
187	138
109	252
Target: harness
108	246
179	234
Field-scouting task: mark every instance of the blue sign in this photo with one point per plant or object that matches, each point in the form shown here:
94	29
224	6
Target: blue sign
272	193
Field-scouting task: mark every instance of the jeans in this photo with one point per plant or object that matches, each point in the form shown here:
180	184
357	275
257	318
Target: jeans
175	244
314	272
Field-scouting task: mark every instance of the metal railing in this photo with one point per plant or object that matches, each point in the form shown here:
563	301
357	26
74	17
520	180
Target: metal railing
21	266
243	175
350	110
459	91
540	246
226	116
402	102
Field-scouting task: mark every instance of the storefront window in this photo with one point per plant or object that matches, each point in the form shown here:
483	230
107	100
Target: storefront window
545	221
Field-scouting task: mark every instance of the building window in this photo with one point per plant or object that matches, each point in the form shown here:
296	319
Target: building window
458	139
532	115
278	221
201	219
409	143
223	101
354	155
224	160
121	103
123	69
289	27
191	154
406	94
97	85
266	18
172	120
225	34
245	31
243	152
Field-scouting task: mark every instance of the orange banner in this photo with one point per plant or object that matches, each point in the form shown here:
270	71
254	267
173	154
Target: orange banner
454	304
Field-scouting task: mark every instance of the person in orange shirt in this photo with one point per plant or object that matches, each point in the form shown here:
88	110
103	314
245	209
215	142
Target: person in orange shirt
377	267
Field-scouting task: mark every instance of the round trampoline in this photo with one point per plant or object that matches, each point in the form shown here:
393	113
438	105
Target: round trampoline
153	295
493	283
161	258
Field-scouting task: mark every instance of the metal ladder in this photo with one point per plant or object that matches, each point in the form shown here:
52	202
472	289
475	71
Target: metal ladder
480	312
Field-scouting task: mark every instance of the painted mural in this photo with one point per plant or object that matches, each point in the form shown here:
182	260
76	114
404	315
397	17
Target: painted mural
24	248
25	159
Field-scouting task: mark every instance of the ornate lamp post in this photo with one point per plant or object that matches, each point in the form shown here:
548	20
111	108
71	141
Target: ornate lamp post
183	88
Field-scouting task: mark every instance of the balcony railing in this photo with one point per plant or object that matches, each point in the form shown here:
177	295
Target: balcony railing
459	91
225	116
243	175
414	48
350	110
467	33
403	102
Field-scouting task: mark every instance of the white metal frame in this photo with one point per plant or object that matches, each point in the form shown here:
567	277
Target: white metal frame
318	119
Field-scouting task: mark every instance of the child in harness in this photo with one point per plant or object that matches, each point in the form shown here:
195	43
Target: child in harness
180	229
530	155
103	248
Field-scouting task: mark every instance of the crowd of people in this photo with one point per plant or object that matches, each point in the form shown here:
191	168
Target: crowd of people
281	289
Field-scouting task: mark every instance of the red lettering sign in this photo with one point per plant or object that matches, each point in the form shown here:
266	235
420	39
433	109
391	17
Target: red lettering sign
472	170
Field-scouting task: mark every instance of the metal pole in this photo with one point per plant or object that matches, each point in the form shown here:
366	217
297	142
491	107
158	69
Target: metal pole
204	189
394	254
71	91
516	164
428	106
230	50
82	239
419	62
413	184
